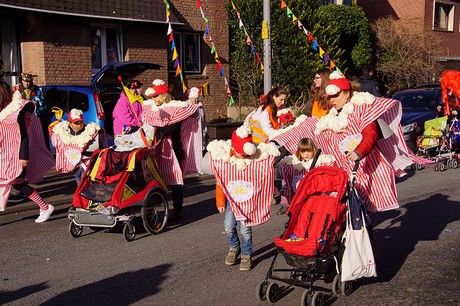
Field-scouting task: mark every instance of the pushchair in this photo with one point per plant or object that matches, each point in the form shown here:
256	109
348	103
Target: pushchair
438	143
311	242
120	187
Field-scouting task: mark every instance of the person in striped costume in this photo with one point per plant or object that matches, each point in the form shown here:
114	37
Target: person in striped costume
14	150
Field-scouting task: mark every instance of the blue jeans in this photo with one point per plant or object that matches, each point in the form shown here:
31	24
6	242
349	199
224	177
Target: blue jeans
230	224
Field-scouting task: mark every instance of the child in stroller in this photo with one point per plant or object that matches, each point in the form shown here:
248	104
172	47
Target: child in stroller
438	143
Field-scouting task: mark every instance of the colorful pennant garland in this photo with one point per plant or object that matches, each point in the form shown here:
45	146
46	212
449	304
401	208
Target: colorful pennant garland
175	55
324	56
219	67
248	39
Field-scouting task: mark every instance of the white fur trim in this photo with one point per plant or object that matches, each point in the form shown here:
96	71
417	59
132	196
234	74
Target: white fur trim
360	98
14	105
62	129
332	90
283	111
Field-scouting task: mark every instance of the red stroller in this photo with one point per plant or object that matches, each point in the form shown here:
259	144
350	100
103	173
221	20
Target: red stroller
312	239
120	186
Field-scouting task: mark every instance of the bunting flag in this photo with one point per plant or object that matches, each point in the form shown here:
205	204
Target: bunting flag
219	67
324	56
175	55
248	39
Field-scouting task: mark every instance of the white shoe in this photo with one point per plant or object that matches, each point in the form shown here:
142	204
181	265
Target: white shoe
45	214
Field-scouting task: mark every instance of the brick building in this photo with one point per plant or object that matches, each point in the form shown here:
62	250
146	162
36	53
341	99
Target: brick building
442	17
65	42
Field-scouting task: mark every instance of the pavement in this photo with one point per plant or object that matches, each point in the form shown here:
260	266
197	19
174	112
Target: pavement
58	190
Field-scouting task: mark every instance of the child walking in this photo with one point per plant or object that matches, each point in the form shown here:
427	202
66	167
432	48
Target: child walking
241	147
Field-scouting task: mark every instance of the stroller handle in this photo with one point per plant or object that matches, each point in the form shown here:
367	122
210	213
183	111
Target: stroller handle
315	159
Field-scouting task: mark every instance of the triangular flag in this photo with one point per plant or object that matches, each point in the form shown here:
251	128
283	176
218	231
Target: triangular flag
176	62
205	88
131	96
310	38
178	70
326	58
233	6
213	49
198	3
184	87
240	24
169	29
221	72
283	4
288	12
315	45
231	101
171	37
331	65
173	45
174	56
321	52
294	18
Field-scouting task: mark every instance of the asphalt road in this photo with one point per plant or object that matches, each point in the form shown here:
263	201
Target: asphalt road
417	253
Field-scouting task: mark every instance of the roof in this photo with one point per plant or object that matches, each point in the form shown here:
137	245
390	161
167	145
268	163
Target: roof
140	10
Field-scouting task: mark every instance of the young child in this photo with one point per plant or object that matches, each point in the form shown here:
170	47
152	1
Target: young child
292	170
241	147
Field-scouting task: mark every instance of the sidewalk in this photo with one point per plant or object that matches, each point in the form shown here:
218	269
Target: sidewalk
58	189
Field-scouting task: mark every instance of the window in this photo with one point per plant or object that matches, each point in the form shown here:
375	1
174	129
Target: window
443	17
188	46
106	46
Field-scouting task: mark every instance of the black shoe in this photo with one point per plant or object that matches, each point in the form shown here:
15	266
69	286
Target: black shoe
175	216
13	199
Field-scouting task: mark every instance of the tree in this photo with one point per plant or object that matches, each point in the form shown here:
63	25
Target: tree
342	31
406	53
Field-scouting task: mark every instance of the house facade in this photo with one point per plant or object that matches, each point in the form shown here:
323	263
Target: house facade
66	42
440	16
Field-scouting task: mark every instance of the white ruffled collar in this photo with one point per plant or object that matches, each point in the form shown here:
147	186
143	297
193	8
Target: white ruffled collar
14	105
300	165
173	103
338	122
62	129
220	150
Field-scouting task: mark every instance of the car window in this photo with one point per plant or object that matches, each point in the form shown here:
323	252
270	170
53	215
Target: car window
427	100
78	100
55	97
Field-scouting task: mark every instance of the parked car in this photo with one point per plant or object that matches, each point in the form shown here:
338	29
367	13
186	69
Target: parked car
97	99
418	105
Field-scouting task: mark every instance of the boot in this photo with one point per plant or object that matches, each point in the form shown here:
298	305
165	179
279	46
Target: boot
246	263
232	255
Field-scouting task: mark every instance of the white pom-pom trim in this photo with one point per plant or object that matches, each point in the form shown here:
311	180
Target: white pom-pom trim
336	75
332	90
149	91
282	111
75	113
157	82
243	131
249	148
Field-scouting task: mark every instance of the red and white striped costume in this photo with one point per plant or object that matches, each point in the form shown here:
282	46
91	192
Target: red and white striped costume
69	148
250	194
376	173
166	114
10	138
192	143
248	183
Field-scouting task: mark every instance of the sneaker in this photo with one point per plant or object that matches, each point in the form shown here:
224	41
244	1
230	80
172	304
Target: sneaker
45	214
246	263
232	255
13	199
282	210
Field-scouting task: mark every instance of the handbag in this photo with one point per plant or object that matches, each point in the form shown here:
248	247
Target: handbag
358	257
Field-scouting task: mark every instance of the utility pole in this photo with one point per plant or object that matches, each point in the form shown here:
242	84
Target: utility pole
267	48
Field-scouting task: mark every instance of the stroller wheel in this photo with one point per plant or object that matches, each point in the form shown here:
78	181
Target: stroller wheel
261	291
454	163
336	284
413	166
155	212
306	298
273	292
75	230
346	288
442	167
436	168
129	232
419	166
318	299
449	163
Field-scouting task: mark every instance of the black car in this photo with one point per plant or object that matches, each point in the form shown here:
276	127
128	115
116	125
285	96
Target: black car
418	105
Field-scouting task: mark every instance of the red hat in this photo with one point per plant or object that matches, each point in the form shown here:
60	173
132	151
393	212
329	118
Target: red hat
337	83
159	87
75	115
242	141
285	116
